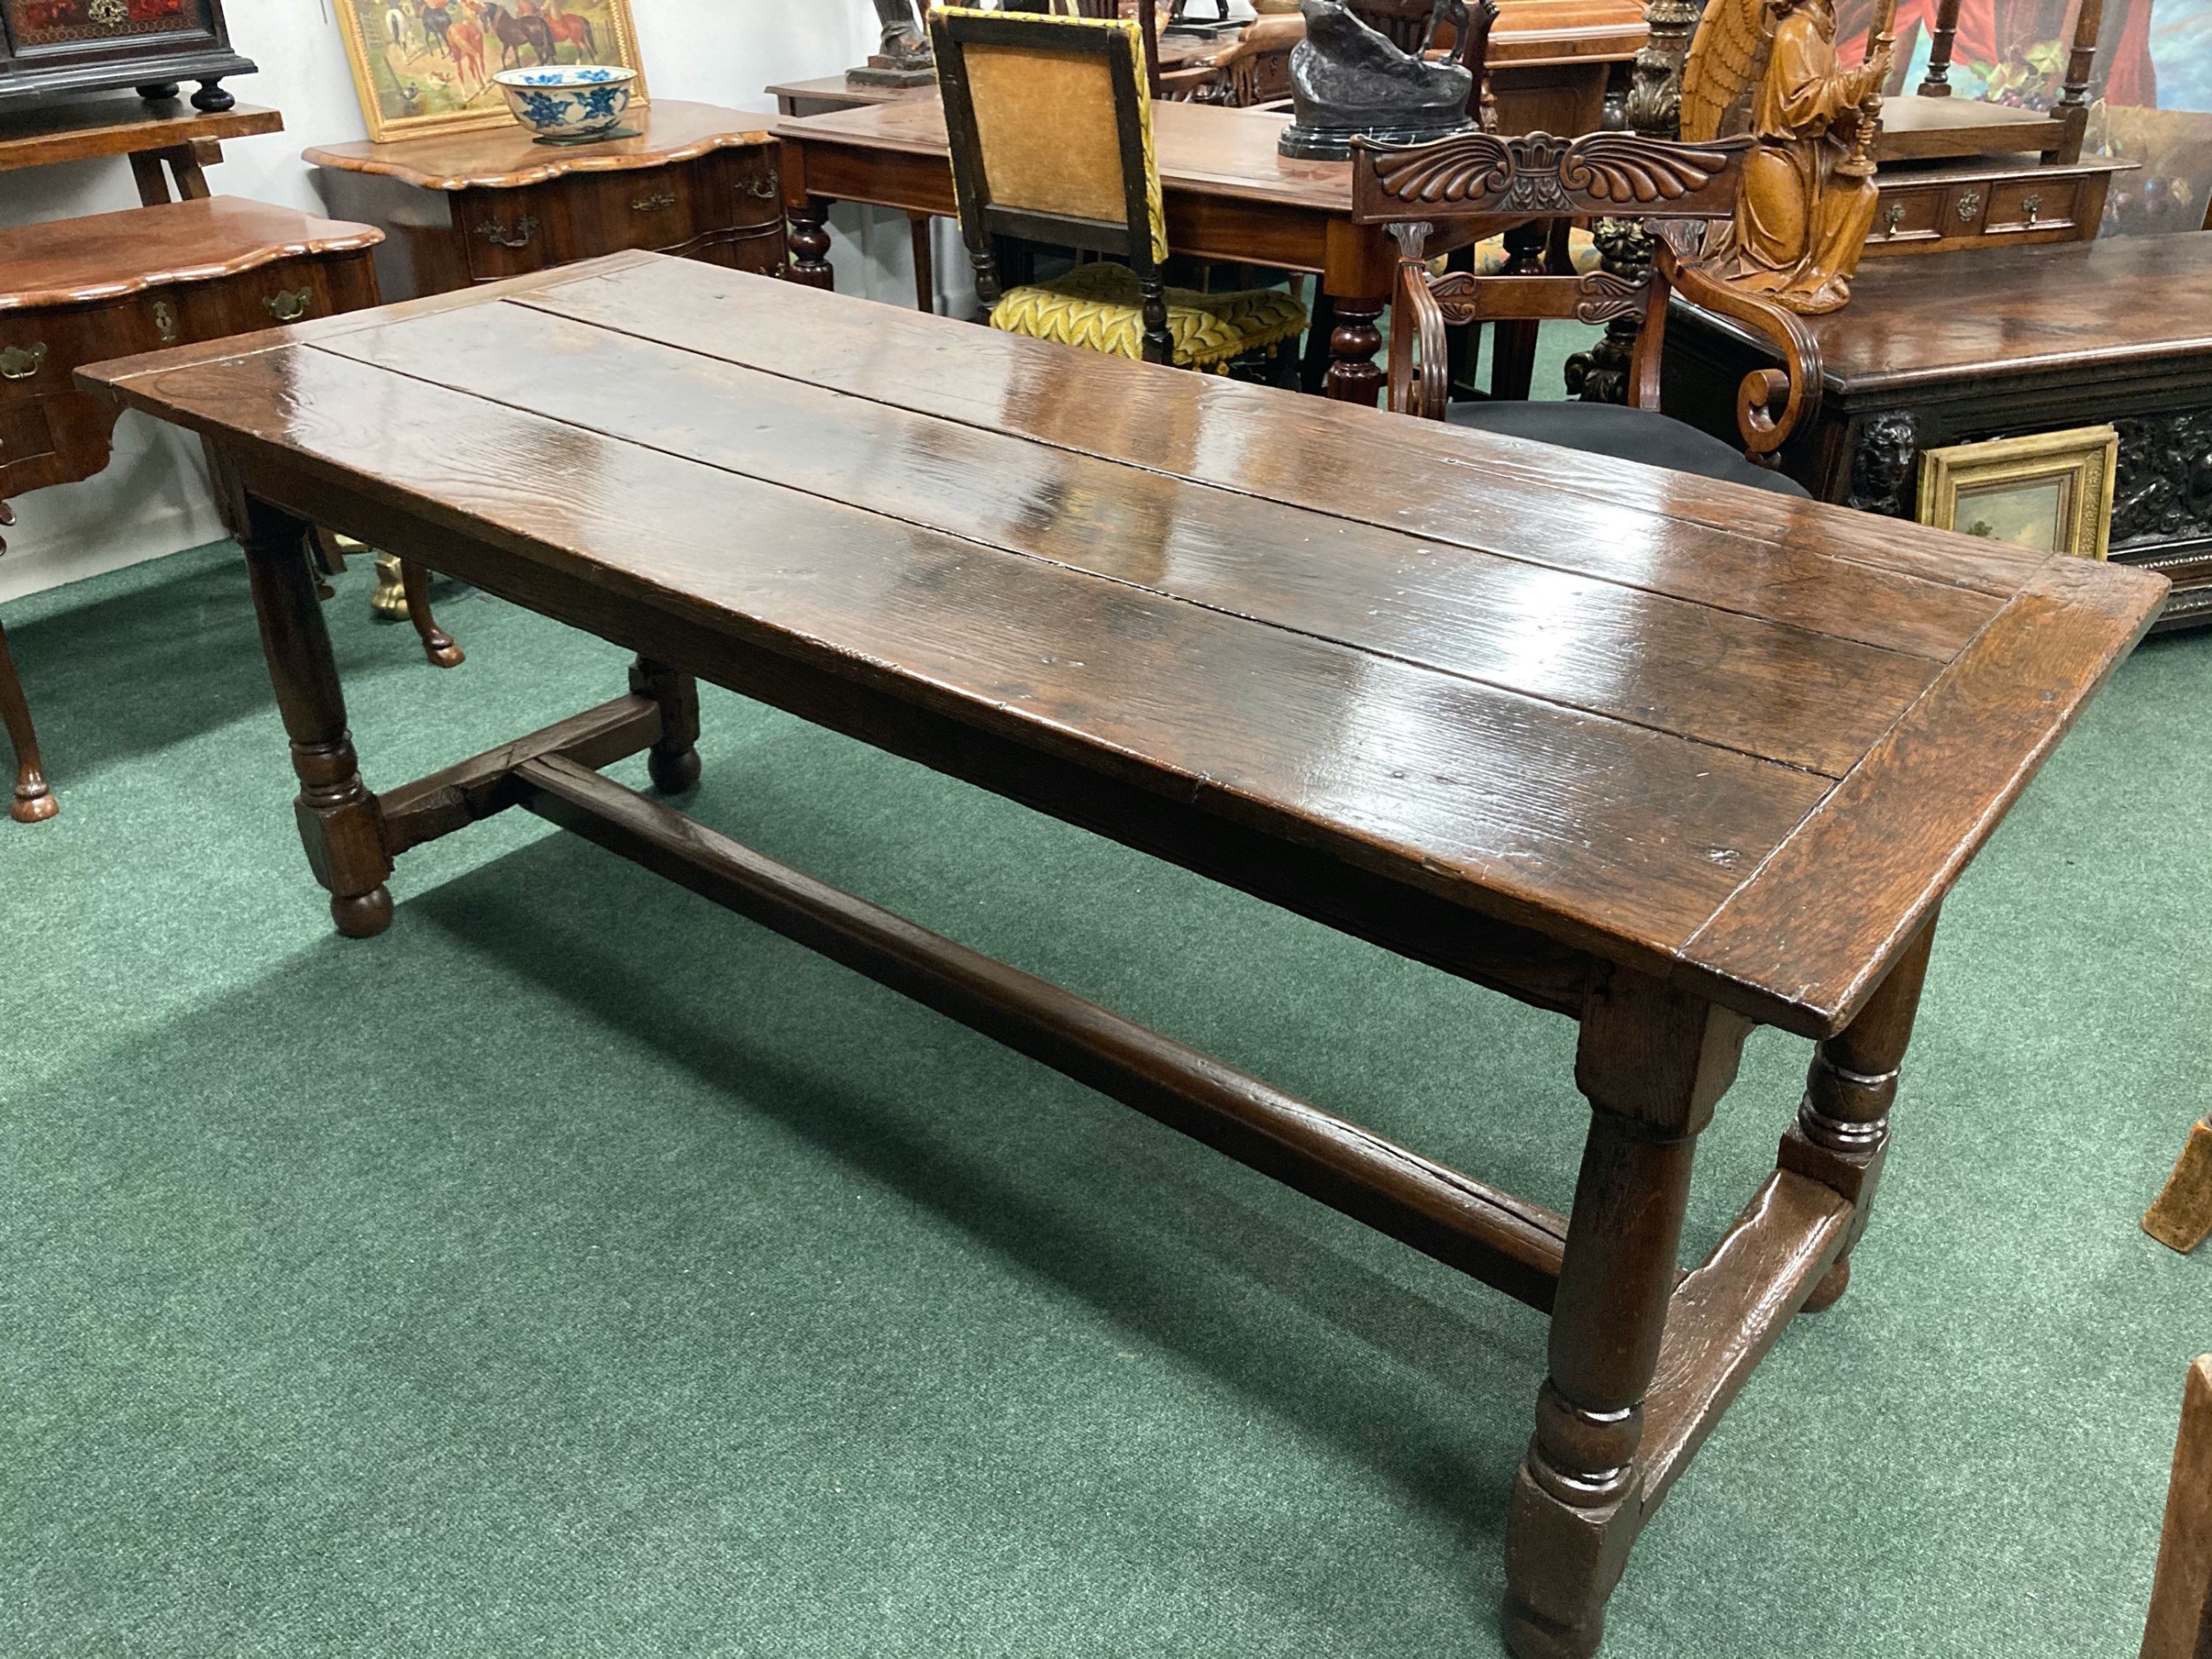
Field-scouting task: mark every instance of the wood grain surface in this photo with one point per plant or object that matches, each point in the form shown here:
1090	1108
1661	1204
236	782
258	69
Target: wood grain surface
1743	742
509	157
107	255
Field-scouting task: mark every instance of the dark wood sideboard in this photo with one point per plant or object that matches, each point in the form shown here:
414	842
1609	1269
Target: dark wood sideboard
1958	347
699	182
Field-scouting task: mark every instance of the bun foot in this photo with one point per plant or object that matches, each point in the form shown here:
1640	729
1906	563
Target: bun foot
438	646
363	916
212	99
33	803
673	774
1830	1288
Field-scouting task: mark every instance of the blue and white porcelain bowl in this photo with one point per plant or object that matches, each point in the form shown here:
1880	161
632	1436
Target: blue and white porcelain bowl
568	100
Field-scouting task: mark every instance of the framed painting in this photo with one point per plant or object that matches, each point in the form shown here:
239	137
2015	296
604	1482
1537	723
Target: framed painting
423	66
2052	491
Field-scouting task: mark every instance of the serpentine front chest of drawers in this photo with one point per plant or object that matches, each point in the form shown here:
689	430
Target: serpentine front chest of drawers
461	208
111	285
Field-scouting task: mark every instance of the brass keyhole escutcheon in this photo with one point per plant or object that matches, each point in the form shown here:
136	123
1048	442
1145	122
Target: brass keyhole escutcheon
19	363
109	14
1970	205
165	323
289	306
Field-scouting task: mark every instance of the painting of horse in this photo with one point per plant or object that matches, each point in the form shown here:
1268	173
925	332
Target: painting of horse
426	65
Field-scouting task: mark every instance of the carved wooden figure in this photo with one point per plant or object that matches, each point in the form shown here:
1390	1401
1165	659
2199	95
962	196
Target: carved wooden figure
1769	67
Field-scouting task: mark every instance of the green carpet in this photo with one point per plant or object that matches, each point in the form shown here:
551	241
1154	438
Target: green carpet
579	1271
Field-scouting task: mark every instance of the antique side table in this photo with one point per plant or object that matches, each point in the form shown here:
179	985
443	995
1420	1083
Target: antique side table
84	290
699	181
1999	342
150	134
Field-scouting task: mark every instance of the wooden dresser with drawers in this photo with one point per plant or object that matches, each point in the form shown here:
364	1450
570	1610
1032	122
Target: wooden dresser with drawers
698	181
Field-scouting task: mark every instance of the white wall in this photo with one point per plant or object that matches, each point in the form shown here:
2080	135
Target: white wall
153	499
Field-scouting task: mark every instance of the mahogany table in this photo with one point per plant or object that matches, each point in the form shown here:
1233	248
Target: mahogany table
1669	757
1230	199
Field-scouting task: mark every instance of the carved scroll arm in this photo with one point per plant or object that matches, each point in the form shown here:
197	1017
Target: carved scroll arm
1771	403
1422	388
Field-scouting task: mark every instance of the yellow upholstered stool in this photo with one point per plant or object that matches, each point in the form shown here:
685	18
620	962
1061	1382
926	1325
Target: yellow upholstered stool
1100	307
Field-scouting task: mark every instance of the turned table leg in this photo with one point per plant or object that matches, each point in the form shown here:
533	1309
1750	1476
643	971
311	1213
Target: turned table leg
673	761
1652	1062
808	243
1841	1134
33	801
339	822
1353	375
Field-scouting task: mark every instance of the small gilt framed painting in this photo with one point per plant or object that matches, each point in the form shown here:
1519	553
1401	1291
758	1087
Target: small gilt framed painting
425	66
2052	491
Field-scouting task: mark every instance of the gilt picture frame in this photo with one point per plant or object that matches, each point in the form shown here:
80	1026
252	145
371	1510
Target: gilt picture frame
422	68
2051	491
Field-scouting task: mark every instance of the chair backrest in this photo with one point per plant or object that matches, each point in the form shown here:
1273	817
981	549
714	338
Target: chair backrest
1051	137
1496	181
1145	12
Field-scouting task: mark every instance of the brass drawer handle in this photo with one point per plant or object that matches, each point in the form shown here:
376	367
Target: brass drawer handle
289	305
1893	218
660	201
526	227
1970	205
764	188
17	364
165	323
2032	208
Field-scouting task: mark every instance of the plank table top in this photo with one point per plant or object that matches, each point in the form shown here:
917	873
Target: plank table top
1739	742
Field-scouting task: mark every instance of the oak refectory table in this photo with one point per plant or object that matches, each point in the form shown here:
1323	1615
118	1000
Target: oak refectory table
1667	757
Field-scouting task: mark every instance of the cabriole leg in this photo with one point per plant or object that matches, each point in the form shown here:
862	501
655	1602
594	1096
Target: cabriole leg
1841	1134
33	801
339	822
437	644
1652	1062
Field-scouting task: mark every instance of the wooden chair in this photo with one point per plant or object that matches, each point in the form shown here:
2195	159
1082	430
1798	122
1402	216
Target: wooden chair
2180	1622
1145	12
1052	143
1485	178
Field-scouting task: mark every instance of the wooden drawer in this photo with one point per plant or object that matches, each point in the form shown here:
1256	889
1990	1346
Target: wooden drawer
507	232
656	208
1910	214
2022	206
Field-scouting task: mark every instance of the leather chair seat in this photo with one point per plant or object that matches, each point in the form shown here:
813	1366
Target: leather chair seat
1628	434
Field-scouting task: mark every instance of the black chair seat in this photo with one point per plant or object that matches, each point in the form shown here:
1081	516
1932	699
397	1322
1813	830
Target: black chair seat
1628	434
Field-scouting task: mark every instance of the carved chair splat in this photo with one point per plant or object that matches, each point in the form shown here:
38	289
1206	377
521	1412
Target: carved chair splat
1537	177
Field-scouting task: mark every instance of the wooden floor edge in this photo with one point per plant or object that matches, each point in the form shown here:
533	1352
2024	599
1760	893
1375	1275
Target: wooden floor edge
1728	1313
1501	1239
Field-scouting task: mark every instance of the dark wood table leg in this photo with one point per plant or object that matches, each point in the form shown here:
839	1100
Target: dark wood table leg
810	244
1652	1062
1355	377
33	801
153	183
673	761
339	822
1513	343
924	263
1841	1134
437	645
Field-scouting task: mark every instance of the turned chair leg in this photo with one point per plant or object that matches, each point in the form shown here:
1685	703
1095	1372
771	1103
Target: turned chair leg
1653	1061
1841	1134
339	822
33	801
